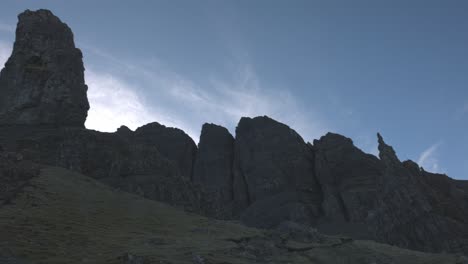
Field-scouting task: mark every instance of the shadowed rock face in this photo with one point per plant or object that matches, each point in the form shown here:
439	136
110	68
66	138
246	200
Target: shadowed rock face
119	161
274	170
348	178
387	200
213	168
266	176
171	142
43	81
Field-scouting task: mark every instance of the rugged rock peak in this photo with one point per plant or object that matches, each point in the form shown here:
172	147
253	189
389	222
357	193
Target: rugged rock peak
173	143
412	166
331	140
124	131
155	127
212	130
386	152
347	177
43	80
267	124
274	168
213	167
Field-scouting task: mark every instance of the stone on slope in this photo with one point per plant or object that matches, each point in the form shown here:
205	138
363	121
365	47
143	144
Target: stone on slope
43	80
274	173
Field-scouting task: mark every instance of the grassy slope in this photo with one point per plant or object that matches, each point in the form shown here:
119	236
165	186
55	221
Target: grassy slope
65	217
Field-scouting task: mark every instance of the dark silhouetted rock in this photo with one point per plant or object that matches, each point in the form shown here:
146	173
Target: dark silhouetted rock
43	81
124	132
213	168
172	143
348	179
274	171
387	200
128	165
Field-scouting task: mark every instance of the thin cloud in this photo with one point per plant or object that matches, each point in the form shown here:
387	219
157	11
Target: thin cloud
428	158
162	95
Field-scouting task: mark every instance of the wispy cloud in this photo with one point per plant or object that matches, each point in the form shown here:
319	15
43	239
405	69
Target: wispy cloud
428	158
145	93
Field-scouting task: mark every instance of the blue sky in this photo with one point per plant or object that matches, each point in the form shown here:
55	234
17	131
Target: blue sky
351	67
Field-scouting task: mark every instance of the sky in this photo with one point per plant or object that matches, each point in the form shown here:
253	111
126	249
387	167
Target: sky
350	67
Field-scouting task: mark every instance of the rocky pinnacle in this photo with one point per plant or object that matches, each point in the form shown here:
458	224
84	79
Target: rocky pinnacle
43	80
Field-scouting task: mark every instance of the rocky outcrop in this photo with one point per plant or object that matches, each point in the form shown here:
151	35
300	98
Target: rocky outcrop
274	170
43	80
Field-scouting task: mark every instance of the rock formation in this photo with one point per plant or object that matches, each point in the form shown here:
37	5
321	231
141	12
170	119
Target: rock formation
348	179
213	168
43	80
274	169
384	199
172	143
266	176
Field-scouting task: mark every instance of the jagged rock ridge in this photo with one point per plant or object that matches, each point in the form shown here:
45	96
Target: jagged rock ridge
265	176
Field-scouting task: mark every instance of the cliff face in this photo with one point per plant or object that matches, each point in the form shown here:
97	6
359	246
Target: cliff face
265	176
214	170
275	173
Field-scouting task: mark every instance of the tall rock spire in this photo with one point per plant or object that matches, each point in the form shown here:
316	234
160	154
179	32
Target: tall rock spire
43	80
